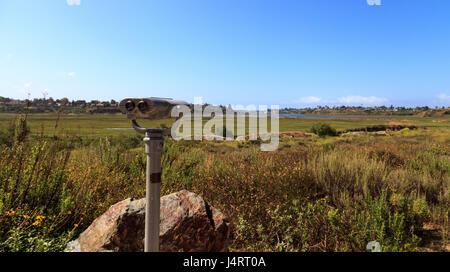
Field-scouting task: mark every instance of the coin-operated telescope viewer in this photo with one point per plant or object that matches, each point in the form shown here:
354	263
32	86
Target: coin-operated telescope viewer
153	109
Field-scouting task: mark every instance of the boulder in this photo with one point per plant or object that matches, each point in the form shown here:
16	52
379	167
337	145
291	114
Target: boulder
187	224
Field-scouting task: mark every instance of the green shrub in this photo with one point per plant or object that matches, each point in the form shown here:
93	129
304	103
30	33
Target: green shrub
387	222
323	130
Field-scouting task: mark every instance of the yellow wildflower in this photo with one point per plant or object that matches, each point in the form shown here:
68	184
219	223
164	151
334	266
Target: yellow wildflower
10	212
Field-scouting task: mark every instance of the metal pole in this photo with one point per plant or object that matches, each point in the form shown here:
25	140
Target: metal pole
153	148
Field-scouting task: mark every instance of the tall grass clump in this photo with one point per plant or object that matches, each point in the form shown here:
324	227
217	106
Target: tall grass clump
49	192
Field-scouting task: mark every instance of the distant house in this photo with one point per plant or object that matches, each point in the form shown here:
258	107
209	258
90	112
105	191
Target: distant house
79	103
16	102
99	105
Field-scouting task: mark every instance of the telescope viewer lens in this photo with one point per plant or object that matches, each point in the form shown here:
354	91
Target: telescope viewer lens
143	106
130	106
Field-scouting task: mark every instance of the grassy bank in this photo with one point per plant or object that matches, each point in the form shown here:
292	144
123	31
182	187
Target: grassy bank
98	125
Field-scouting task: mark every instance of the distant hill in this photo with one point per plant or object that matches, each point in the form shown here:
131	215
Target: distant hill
435	113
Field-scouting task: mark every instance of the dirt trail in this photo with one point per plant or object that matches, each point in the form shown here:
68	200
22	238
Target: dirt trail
432	240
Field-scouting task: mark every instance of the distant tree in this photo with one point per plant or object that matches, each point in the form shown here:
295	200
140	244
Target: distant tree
4	99
65	101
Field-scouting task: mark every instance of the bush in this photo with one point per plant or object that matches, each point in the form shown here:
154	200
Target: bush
323	130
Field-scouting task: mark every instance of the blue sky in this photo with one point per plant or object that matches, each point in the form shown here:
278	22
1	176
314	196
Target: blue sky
291	53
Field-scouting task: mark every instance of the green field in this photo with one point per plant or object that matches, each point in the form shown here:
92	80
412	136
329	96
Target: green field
93	125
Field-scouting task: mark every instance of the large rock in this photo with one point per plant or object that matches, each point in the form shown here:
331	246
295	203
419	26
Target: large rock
188	224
